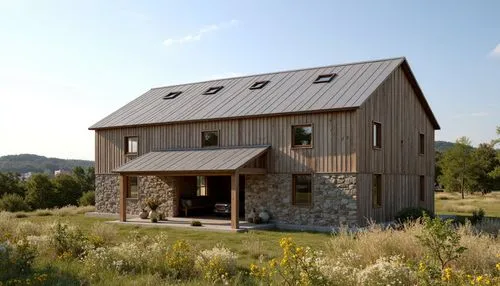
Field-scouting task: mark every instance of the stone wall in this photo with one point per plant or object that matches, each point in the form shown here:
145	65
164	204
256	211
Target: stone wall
108	194
333	199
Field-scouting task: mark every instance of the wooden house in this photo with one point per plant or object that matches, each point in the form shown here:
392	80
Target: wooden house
322	146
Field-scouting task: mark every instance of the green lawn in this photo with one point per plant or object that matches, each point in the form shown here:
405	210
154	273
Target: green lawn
452	203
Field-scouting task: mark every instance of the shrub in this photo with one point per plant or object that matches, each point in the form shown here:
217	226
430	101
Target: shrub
217	264
477	216
15	259
411	214
102	234
180	259
13	203
67	241
387	271
87	199
196	223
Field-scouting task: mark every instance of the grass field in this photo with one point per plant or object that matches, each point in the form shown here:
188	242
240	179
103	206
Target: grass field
452	203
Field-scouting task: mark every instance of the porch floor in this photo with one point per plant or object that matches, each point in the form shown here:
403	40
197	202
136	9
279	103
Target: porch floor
210	224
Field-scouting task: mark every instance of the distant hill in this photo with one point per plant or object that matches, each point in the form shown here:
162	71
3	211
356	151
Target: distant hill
24	163
442	146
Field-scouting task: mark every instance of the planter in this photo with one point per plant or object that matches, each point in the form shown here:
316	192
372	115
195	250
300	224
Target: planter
153	215
144	214
264	216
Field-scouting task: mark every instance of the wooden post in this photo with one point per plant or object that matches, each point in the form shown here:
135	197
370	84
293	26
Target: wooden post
123	197
235	200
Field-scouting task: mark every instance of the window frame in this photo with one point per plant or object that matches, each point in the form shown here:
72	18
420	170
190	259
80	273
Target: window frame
259	84
377	192
129	187
127	145
310	145
376	135
203	139
421	143
421	188
294	190
325	78
172	95
213	90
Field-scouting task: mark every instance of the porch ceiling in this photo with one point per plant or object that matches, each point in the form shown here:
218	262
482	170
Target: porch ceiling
220	160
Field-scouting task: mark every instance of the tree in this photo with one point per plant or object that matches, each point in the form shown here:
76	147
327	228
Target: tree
40	192
85	178
67	190
485	162
457	167
11	184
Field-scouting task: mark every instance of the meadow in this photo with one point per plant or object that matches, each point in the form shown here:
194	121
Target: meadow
65	247
453	204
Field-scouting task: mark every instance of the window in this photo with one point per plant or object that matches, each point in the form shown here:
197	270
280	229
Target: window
132	187
421	188
172	95
209	138
302	136
213	90
302	191
132	144
377	135
324	78
201	186
259	84
421	143
377	190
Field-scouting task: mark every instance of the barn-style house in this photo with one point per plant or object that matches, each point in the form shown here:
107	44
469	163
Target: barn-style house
321	146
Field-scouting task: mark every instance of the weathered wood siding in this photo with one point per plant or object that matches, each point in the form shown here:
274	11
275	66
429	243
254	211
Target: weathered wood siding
396	106
333	151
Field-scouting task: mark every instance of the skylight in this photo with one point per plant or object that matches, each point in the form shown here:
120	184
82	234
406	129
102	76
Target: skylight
213	90
172	95
259	84
324	78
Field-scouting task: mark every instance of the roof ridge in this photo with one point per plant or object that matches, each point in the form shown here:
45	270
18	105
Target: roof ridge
283	71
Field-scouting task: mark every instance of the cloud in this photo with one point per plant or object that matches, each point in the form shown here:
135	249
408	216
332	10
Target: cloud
198	35
473	114
496	51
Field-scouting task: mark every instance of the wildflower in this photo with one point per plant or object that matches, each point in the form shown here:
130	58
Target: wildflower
447	274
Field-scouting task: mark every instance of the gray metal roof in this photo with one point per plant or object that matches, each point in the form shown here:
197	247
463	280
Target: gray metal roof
287	92
193	160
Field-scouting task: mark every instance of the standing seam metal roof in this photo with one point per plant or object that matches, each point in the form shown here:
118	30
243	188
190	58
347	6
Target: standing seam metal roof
287	92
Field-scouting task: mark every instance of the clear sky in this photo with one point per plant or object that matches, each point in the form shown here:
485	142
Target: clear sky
64	65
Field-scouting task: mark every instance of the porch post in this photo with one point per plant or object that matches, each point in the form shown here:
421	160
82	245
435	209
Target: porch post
123	197
235	200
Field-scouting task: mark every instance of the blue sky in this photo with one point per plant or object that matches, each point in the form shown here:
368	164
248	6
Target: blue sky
64	65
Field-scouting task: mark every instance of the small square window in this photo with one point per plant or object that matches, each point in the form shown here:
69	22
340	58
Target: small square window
172	95
132	191
209	138
421	143
421	188
377	190
377	135
259	84
324	78
132	145
302	136
302	190
213	90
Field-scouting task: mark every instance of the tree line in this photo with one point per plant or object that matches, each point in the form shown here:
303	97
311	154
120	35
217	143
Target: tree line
466	169
42	191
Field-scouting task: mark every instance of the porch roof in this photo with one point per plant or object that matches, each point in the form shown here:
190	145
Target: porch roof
194	161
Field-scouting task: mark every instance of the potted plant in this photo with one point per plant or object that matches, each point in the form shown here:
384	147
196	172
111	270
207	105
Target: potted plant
144	214
153	203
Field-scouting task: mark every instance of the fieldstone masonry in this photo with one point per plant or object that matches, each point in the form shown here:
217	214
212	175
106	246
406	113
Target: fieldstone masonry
333	199
108	194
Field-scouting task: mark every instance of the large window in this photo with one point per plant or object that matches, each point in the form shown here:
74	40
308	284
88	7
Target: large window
377	135
302	191
132	187
377	190
209	138
131	145
421	188
302	136
201	186
421	143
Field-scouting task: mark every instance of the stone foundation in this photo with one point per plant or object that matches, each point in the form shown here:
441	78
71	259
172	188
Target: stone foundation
333	199
108	194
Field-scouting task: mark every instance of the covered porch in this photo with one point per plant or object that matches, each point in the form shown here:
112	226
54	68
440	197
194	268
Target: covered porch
230	162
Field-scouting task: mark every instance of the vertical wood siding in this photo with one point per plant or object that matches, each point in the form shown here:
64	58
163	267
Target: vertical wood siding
395	105
333	151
